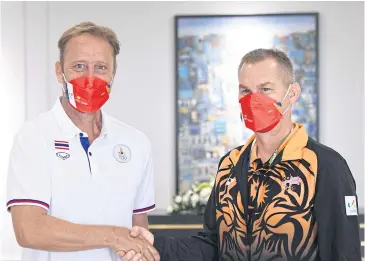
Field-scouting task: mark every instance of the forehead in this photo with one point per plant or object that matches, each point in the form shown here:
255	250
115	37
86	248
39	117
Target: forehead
88	46
263	71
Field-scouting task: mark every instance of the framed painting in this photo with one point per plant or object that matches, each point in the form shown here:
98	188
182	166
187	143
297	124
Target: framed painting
208	51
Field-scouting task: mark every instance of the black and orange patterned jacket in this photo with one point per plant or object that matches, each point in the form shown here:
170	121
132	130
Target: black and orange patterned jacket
292	210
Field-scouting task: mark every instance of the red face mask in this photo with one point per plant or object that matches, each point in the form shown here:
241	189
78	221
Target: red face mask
260	112
87	94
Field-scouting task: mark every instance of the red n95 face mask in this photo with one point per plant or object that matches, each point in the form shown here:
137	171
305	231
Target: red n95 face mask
260	112
87	94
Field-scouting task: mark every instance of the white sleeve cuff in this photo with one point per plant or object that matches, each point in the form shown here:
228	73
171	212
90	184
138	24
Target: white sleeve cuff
26	202
144	210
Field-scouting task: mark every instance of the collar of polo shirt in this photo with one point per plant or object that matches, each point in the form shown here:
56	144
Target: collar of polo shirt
68	127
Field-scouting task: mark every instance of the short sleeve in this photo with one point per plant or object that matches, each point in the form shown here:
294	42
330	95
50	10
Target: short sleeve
28	179
145	198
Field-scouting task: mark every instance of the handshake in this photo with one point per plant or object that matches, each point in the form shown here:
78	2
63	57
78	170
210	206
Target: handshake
135	245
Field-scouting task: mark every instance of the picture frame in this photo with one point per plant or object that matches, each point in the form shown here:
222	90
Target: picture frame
208	50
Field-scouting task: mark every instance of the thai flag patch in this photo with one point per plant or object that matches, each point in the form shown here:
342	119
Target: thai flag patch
61	145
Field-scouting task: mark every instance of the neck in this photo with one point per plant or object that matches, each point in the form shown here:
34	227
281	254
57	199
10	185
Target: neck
268	143
90	123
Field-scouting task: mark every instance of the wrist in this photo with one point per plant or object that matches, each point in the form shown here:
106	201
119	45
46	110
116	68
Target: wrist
115	235
112	238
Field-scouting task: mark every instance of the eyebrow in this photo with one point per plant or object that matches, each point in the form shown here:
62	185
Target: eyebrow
260	85
264	84
242	86
84	61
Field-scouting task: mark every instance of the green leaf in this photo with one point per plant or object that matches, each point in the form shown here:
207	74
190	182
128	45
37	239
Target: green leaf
203	185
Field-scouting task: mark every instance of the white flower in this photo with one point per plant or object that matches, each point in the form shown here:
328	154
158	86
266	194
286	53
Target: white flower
178	199
205	192
186	198
194	200
204	201
204	195
169	209
175	207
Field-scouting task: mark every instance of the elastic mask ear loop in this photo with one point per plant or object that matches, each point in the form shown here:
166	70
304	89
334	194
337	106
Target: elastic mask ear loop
287	108
65	91
66	82
281	103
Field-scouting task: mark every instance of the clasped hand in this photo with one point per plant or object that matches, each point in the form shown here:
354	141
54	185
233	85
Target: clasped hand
137	245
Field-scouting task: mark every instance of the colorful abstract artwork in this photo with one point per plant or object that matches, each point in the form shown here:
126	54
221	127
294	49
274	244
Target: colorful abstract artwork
208	52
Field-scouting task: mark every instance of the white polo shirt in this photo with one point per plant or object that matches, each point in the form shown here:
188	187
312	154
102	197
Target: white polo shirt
53	167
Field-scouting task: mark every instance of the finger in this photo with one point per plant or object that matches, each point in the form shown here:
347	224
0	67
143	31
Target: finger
135	231
137	257
147	255
121	253
146	247
137	247
147	235
143	233
154	253
129	255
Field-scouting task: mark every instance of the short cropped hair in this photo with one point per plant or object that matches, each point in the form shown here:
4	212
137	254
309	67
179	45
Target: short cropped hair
90	28
280	57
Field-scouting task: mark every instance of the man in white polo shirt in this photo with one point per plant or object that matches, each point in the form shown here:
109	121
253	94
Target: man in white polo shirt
79	179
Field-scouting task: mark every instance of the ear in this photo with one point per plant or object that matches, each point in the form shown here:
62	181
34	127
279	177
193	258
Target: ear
58	69
115	66
114	72
294	92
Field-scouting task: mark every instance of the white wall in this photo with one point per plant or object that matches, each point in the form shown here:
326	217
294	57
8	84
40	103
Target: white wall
13	102
143	95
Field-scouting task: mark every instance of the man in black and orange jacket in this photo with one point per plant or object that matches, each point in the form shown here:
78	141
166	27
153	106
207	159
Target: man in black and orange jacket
281	196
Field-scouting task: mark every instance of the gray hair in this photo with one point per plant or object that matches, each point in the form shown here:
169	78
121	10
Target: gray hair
93	29
258	55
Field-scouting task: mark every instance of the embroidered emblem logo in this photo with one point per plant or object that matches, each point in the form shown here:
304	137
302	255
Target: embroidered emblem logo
122	153
351	205
63	155
291	182
61	147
